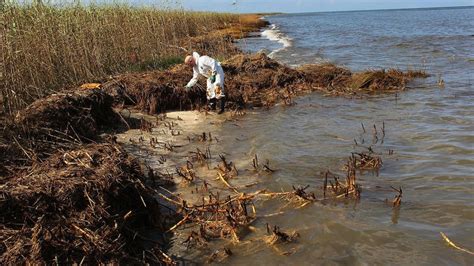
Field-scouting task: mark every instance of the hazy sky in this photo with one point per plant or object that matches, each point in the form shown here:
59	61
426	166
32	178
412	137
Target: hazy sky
312	5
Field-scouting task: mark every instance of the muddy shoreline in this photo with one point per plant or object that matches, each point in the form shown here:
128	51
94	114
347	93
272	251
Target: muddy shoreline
92	200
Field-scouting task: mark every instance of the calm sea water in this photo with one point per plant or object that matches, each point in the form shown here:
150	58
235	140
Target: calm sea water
431	130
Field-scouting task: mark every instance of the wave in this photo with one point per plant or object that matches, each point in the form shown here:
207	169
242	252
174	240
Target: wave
274	34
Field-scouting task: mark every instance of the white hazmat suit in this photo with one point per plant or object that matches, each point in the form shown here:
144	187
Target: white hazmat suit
208	67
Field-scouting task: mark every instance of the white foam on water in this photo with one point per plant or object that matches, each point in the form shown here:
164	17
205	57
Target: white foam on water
274	34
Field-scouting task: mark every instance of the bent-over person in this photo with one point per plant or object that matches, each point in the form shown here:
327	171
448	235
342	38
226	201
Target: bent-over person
212	70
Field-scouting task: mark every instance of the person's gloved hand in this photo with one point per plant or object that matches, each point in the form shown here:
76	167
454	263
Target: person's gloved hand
187	87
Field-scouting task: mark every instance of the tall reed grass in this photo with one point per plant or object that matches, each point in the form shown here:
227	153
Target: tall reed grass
45	47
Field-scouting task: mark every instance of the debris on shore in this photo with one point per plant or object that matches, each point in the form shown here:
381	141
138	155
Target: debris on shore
60	121
278	236
86	205
95	200
252	80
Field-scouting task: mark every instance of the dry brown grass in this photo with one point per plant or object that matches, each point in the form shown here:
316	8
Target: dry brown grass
246	23
86	205
45	48
391	79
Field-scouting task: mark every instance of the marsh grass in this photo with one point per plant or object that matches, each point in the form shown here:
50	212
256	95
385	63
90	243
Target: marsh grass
45	48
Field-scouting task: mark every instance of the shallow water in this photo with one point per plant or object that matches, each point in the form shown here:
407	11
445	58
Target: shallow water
430	129
432	162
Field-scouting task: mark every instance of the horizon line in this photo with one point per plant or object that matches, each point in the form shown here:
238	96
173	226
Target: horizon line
366	10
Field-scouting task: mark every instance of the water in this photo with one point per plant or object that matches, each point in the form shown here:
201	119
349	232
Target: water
430	129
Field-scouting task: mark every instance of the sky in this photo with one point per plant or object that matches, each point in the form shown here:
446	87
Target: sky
297	6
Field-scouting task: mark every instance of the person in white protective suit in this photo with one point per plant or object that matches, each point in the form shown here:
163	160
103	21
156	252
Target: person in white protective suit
212	70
